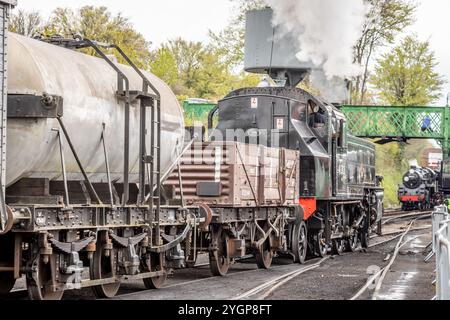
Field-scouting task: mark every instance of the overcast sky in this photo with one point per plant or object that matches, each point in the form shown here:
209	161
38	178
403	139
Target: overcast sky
162	20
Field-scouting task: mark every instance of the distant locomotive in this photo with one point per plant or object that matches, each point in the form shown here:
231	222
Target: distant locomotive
419	190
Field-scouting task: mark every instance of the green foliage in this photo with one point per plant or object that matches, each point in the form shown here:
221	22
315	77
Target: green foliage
26	23
384	21
195	70
406	77
230	41
97	23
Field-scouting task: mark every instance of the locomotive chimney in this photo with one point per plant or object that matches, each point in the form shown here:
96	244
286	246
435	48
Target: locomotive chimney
270	50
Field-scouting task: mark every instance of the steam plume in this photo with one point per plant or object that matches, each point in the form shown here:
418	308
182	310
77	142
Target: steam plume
326	31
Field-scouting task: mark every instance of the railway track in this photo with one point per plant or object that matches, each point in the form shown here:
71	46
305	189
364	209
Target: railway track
264	290
378	278
402	215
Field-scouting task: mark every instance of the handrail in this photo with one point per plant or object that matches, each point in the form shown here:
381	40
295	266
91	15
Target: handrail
441	247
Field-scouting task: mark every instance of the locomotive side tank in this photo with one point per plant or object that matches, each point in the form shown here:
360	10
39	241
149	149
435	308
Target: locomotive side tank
88	88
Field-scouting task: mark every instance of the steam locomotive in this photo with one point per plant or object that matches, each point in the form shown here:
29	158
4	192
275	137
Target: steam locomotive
419	190
298	181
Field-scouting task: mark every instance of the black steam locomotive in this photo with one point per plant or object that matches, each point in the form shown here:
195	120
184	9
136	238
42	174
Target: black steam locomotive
419	190
339	190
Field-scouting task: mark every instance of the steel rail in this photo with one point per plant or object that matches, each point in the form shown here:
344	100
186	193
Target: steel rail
383	272
279	281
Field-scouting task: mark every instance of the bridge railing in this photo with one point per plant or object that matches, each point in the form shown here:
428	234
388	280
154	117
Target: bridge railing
441	246
394	122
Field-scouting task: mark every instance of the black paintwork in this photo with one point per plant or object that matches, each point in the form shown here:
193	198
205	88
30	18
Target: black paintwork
334	164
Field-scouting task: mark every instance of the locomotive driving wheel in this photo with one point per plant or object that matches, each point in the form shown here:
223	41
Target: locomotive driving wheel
352	242
155	263
364	234
321	245
104	266
219	257
300	242
41	279
338	246
364	238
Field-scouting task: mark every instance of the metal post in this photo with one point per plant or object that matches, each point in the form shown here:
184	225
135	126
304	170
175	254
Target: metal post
142	153
180	181
126	166
152	162
108	172
63	167
86	178
158	169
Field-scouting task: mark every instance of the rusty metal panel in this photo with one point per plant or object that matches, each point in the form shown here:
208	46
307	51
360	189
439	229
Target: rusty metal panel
245	175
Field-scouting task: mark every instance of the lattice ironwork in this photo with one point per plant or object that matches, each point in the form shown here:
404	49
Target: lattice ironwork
400	122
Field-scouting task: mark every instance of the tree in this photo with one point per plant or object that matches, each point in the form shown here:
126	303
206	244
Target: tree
26	23
164	65
384	21
97	23
230	41
406	76
195	70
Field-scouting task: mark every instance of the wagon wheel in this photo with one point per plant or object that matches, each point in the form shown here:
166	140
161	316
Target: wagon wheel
219	257
352	243
300	242
39	280
321	245
7	282
264	255
338	246
103	266
156	263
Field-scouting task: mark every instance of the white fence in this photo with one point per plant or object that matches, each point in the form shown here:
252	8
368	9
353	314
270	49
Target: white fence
441	246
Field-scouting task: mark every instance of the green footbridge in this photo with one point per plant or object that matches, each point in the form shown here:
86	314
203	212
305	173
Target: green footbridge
385	123
389	123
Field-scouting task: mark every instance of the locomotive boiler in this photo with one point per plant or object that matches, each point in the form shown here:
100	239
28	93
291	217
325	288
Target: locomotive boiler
419	190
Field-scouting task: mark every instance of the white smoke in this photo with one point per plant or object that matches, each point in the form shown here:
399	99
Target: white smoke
333	90
326	30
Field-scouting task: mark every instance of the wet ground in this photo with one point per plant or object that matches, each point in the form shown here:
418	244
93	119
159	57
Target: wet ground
338	278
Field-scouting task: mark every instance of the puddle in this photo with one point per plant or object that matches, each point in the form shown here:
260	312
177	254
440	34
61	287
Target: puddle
400	288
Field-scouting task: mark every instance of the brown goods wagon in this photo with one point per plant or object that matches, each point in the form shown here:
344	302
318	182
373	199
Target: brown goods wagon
231	174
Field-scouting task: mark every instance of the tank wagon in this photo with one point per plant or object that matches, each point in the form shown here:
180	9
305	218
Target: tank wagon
419	190
84	165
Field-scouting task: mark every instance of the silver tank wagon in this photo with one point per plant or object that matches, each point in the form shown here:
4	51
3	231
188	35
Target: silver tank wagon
88	87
